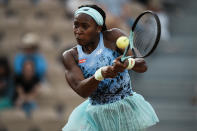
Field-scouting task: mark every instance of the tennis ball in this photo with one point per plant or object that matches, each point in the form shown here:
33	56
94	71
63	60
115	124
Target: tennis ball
122	42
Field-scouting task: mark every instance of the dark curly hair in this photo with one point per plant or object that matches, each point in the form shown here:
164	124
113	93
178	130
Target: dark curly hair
101	11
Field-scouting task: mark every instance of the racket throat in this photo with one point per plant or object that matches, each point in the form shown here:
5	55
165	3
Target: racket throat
134	54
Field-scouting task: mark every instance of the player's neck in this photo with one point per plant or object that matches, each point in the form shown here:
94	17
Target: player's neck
90	47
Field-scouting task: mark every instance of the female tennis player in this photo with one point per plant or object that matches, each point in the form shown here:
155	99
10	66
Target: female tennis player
94	71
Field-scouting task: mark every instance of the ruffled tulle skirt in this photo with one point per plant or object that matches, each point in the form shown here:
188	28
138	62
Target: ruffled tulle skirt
132	113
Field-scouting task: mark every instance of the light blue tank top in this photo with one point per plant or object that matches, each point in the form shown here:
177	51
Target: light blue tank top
110	89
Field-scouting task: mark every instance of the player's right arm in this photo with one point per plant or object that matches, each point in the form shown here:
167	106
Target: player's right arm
74	76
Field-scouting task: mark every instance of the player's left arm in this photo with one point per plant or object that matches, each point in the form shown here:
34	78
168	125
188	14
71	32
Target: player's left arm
140	64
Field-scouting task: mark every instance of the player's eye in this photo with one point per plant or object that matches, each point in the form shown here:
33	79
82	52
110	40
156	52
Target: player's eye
85	26
76	25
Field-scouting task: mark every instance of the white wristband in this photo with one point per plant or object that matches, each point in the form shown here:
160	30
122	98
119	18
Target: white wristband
131	63
98	75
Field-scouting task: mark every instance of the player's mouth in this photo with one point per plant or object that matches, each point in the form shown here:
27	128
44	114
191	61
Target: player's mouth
80	41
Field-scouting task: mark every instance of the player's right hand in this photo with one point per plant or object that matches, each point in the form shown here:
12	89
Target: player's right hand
109	72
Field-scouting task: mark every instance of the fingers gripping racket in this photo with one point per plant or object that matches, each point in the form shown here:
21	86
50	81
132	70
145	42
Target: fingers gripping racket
144	36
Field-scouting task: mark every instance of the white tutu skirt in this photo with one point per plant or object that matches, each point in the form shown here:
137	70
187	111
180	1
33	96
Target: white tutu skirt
132	113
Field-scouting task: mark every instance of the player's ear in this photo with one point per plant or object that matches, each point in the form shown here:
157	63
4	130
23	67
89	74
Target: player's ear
99	28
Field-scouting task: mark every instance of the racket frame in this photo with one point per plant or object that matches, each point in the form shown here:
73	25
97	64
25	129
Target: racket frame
131	46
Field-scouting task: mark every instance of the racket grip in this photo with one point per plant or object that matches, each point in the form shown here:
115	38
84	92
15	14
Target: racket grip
124	58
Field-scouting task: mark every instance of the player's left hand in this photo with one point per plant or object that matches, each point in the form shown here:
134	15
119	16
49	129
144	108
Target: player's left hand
118	66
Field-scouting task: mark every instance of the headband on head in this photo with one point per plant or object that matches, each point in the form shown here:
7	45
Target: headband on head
91	12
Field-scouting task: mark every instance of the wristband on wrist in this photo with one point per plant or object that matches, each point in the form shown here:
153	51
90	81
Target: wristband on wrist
131	63
98	75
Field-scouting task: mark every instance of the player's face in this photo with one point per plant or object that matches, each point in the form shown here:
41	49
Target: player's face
85	29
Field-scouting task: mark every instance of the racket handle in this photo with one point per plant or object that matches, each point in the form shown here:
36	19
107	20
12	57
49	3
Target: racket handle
124	58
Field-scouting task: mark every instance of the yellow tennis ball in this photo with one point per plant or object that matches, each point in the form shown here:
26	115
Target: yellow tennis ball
122	42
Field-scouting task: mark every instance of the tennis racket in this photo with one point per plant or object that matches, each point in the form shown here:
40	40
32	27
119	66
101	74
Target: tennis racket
144	35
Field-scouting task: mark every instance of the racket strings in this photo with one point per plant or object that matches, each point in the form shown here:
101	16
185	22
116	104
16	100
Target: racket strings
145	34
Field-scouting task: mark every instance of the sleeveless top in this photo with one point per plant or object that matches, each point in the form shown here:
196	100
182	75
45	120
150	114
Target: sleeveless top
110	89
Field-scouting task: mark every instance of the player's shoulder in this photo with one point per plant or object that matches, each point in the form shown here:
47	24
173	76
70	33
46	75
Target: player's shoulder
70	51
113	34
70	54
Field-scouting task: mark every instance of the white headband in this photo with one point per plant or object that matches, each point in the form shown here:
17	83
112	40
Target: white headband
91	12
